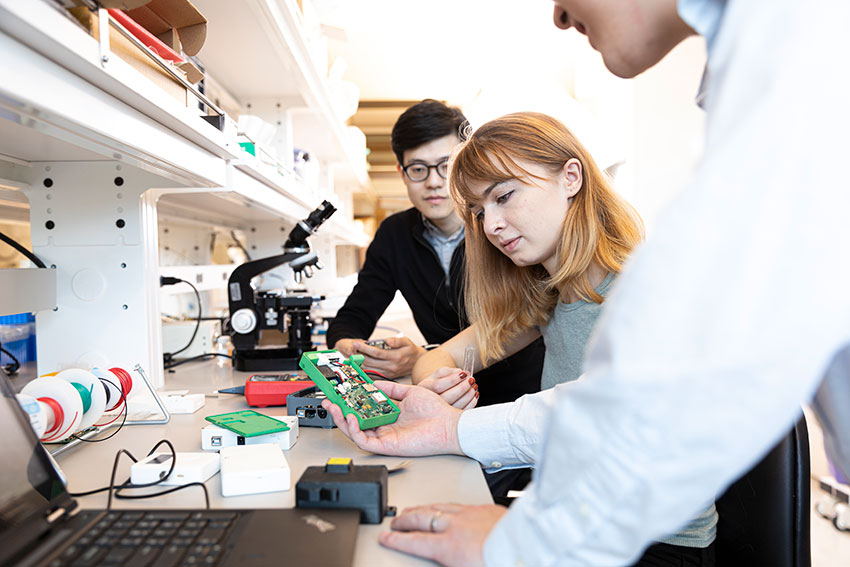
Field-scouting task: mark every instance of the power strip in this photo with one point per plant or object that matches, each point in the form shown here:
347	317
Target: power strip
189	467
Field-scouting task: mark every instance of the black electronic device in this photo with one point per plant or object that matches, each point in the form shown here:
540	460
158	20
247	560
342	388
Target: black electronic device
341	484
252	311
306	404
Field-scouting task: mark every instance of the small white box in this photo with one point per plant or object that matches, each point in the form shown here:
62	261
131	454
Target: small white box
215	438
190	467
189	403
253	469
176	335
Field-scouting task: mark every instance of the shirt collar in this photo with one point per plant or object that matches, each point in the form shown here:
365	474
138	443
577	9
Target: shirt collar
704	16
431	229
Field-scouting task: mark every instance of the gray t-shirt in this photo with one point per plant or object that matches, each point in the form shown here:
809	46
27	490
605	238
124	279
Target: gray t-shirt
566	336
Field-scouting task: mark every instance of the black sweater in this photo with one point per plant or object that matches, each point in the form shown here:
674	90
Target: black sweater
400	258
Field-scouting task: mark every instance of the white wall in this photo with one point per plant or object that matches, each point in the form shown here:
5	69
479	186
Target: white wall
668	130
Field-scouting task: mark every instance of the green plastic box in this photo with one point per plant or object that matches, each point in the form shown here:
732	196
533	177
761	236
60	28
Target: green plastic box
346	385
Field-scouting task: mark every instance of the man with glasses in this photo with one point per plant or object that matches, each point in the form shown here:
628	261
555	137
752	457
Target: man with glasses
420	252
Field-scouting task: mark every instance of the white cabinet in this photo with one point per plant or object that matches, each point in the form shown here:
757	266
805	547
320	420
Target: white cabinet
102	155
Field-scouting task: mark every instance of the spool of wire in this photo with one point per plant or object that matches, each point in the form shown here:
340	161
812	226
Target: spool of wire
92	393
61	404
118	384
64	403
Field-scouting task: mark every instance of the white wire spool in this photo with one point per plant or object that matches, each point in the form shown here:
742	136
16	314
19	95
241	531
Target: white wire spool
87	382
111	387
52	391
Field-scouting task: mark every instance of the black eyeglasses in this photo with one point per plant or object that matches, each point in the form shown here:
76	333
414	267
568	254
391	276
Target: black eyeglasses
421	171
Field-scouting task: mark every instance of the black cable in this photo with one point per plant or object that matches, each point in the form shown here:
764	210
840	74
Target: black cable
116	489
12	367
111	486
32	257
120	427
240	245
164	492
174	363
169	356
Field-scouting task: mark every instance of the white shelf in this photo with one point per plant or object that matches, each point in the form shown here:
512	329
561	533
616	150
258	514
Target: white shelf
54	82
61	105
92	152
258	49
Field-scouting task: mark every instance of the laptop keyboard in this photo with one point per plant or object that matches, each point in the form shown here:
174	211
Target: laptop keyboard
160	539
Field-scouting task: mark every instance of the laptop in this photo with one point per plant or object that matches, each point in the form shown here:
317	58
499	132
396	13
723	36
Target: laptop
40	524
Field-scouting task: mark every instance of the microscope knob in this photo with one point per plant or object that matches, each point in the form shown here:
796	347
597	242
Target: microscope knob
244	320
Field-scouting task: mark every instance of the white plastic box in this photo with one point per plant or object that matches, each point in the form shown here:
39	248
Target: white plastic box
253	469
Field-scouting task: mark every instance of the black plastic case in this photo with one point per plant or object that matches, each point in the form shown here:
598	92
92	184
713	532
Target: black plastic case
346	486
307	405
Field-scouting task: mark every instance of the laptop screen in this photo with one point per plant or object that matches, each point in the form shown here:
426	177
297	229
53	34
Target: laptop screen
28	483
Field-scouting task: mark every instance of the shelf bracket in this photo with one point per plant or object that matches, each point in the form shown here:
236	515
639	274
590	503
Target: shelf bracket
103	35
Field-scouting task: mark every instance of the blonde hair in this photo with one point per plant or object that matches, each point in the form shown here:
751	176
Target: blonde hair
504	299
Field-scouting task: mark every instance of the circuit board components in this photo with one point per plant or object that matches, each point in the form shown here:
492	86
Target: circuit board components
346	385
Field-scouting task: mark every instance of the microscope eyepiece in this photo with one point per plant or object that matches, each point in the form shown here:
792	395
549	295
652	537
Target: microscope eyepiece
306	227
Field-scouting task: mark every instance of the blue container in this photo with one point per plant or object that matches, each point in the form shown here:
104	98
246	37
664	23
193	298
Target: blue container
17	335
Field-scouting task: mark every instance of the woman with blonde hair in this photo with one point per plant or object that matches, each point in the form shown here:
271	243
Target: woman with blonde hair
546	235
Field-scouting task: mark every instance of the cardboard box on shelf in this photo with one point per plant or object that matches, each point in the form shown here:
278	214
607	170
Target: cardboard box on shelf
133	56
179	25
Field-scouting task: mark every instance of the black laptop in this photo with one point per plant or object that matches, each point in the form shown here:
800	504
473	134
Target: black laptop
40	525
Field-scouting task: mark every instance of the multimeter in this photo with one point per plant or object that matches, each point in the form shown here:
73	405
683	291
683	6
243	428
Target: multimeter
263	390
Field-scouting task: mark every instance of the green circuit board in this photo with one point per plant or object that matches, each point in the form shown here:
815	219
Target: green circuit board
346	385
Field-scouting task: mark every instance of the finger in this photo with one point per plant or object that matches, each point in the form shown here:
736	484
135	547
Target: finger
381	365
372	352
425	545
473	402
336	414
418	518
449	507
466	396
393	390
399	342
348	347
455	379
359	437
461	391
444	371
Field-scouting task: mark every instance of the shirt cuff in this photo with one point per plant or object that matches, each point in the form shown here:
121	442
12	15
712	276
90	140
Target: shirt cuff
484	436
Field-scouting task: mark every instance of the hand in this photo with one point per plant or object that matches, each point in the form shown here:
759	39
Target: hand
392	363
427	424
348	346
454	385
449	534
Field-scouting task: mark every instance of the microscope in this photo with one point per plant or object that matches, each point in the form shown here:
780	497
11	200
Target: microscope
252	311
